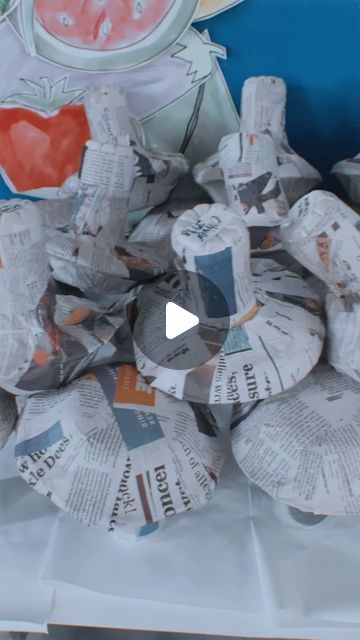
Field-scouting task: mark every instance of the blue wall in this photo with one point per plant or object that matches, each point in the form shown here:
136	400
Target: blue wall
315	46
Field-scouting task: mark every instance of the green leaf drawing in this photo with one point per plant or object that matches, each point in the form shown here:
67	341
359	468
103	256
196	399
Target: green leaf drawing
44	95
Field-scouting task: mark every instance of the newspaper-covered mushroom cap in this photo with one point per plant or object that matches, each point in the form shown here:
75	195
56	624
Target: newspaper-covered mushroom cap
303	447
115	453
267	353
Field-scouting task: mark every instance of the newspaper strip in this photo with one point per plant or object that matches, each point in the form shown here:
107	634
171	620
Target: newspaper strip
343	335
116	454
263	107
323	234
303	448
266	355
210	240
8	416
348	173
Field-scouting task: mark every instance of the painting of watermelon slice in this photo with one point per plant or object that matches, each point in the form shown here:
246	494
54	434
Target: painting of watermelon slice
42	134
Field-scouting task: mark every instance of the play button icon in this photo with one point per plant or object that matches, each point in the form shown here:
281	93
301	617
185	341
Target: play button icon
178	320
181	323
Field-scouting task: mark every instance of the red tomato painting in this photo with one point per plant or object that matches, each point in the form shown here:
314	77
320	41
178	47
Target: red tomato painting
101	24
38	150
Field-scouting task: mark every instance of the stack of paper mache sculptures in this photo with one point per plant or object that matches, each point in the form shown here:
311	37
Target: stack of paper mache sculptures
121	440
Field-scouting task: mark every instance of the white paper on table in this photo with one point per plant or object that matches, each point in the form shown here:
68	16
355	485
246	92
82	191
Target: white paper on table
80	607
26	522
202	559
310	573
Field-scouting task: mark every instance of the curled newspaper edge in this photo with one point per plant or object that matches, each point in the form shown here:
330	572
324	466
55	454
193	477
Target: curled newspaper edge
323	234
116	454
263	105
270	352
348	173
117	174
8	416
303	447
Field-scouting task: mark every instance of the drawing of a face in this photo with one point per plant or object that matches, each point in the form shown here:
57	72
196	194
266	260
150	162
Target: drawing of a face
101	24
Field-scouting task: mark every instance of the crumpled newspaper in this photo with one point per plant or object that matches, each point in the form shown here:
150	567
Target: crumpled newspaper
110	120
303	447
116	454
249	165
249	169
46	339
263	104
154	230
8	416
348	173
323	234
267	354
117	173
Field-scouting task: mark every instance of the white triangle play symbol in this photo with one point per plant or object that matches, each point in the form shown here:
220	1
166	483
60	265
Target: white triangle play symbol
178	320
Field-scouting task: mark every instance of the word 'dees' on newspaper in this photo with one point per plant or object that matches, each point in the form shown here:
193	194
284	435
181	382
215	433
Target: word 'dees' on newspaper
116	454
279	335
323	234
303	447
